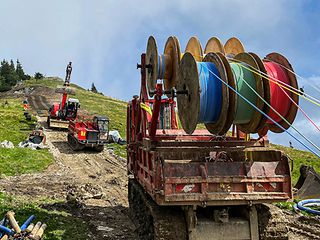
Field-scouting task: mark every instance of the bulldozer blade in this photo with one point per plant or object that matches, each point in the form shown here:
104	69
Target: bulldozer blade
308	185
59	124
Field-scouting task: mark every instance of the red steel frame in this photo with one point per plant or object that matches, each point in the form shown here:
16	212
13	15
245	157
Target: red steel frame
176	168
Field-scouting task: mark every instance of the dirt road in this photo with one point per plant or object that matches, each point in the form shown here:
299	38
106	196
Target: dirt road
96	183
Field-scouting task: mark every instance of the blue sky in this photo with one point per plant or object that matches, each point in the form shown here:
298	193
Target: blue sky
104	38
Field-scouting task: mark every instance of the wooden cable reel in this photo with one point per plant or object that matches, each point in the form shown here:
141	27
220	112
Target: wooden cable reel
172	53
266	90
292	112
186	77
163	66
222	125
214	45
233	47
194	47
254	123
152	58
189	104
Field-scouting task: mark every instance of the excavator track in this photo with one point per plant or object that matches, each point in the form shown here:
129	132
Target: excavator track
154	222
273	225
73	143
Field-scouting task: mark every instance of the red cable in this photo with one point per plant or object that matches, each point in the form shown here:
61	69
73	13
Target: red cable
279	98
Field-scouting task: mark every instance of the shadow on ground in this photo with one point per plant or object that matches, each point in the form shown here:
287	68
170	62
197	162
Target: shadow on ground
64	148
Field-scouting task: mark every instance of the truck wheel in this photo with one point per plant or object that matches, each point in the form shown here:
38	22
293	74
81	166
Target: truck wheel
99	148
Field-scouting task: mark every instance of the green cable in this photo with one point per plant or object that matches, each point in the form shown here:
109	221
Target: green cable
258	95
244	112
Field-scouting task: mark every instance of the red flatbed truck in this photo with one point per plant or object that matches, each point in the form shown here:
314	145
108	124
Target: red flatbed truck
199	186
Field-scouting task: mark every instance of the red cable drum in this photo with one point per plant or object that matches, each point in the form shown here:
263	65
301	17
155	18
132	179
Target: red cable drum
278	99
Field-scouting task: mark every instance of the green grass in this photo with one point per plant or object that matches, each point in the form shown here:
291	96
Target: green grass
51	82
22	160
14	128
299	157
62	224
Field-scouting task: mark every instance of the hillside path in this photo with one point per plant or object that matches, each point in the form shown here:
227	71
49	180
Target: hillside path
94	184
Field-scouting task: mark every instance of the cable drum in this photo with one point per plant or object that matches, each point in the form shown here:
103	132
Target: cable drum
207	100
210	93
211	101
274	63
248	85
164	66
279	100
244	112
233	47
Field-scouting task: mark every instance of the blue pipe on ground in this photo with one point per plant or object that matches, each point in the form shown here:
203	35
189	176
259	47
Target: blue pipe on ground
27	223
301	206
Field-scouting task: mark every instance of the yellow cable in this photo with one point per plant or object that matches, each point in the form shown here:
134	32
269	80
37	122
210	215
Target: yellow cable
279	84
146	108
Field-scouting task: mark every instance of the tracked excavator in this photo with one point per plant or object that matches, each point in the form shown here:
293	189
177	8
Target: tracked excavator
59	114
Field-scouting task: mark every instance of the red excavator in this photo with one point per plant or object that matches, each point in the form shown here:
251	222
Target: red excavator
91	133
61	113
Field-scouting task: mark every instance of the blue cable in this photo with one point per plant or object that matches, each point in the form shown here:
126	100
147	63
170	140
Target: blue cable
161	66
301	206
265	114
210	93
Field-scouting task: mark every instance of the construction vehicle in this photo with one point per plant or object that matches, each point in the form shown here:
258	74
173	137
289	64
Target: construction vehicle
59	114
308	184
199	186
92	133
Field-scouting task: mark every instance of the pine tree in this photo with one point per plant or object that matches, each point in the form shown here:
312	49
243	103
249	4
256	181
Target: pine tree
5	68
20	71
93	88
38	75
12	67
3	85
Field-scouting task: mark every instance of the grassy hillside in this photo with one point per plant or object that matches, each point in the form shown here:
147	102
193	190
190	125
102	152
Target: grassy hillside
14	128
300	157
96	104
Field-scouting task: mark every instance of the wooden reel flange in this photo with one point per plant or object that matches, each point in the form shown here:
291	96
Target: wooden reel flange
233	47
253	125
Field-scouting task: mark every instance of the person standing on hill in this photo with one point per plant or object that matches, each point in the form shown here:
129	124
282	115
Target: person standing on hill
68	72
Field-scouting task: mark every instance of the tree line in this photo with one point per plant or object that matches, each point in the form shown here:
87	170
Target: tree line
11	74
